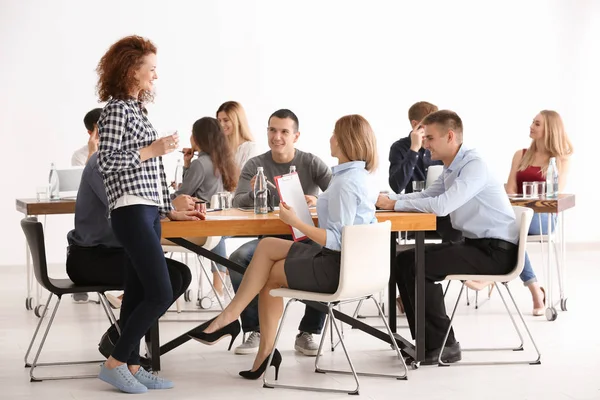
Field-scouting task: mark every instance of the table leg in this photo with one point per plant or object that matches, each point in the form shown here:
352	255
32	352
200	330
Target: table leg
420	295
392	284
155	347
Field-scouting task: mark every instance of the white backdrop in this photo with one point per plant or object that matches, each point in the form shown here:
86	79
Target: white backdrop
496	65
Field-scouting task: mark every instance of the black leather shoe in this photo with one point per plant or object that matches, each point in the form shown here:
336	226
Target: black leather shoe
107	345
451	354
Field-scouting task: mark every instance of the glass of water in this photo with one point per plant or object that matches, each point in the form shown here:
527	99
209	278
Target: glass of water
530	190
418	186
225	200
41	193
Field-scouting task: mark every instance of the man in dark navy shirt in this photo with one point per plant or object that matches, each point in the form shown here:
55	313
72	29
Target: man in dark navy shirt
409	162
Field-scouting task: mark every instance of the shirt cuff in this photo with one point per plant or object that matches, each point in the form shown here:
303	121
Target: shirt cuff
399	206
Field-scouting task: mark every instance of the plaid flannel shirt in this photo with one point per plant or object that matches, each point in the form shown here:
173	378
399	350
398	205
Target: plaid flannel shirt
124	130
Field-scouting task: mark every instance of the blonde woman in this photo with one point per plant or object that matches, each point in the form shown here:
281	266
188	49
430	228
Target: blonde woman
349	200
232	117
549	139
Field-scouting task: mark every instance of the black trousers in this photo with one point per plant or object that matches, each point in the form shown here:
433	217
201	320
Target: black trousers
106	266
474	257
148	293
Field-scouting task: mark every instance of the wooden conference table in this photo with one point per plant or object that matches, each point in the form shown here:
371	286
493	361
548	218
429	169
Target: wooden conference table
242	223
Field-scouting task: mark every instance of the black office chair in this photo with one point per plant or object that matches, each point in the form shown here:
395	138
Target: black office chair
34	234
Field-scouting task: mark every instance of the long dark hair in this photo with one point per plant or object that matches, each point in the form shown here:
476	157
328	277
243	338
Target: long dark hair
209	136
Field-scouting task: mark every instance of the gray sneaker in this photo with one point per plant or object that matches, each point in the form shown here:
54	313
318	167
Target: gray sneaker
250	346
306	345
80	298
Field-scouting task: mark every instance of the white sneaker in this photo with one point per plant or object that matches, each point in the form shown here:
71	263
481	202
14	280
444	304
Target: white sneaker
250	346
80	298
306	345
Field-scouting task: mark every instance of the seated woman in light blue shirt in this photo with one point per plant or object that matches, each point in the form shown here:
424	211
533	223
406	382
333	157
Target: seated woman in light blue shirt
349	200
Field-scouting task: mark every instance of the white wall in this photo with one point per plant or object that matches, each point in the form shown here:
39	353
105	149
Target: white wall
496	65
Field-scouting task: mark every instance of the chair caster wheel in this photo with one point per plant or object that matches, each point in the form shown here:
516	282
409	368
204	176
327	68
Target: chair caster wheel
415	364
205	303
38	311
551	314
187	296
29	303
563	304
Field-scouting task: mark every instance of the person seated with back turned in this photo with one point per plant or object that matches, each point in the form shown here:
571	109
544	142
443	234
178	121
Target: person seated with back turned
478	207
82	155
315	267
94	255
283	132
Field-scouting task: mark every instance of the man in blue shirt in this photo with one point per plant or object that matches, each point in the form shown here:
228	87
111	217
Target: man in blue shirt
478	207
409	161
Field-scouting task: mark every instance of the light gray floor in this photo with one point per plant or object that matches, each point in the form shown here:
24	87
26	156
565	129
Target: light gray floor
570	349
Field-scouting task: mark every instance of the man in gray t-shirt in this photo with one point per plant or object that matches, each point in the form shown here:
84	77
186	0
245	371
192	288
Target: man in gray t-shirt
283	134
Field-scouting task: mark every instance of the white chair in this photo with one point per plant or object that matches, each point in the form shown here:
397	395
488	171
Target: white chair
364	270
523	217
433	173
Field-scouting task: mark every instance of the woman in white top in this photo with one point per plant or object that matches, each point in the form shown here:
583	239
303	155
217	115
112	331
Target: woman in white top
232	117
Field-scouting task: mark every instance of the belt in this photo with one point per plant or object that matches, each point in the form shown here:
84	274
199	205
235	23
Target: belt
497	243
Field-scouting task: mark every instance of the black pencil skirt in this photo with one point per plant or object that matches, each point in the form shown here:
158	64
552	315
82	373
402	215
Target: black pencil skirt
312	268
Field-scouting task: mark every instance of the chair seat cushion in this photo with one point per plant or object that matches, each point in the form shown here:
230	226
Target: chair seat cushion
66	286
302	295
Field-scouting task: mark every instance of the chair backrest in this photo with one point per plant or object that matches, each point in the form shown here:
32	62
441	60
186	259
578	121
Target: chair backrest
433	172
34	234
365	260
523	217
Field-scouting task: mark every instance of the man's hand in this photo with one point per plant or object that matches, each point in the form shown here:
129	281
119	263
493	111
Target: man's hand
186	216
385	203
183	202
416	138
311	201
252	182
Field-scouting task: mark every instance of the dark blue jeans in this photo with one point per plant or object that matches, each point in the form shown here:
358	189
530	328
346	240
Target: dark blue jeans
313	320
147	292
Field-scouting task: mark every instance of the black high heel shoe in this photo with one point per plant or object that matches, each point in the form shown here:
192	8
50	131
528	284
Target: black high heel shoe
233	330
276	362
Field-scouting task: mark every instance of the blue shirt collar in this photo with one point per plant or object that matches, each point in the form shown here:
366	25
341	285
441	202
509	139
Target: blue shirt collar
348	165
458	158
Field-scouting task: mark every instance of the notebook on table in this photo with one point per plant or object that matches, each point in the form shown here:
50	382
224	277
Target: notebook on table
291	193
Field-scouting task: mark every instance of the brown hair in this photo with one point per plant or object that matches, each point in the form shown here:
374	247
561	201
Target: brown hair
357	140
420	110
449	120
556	141
116	69
241	130
209	136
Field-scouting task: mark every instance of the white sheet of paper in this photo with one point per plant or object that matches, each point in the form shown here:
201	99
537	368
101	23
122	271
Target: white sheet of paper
226	217
291	193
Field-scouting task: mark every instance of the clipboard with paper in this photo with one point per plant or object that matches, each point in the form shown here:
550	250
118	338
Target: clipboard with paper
291	193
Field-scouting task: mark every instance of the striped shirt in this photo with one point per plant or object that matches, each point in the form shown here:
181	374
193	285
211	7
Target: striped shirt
124	129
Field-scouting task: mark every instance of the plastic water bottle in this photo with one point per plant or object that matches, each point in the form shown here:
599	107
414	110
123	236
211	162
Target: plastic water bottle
552	179
260	193
53	182
178	174
292	169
